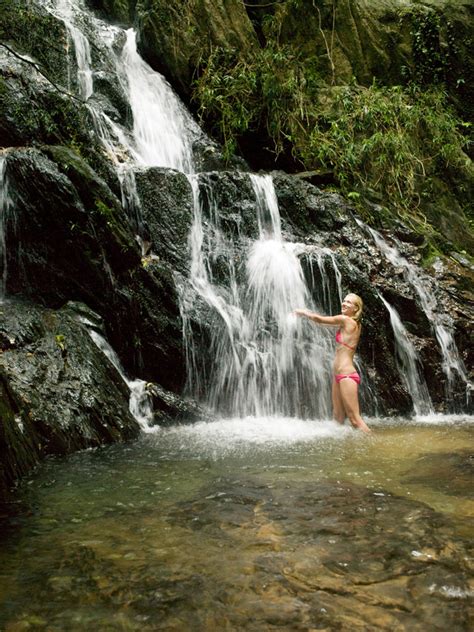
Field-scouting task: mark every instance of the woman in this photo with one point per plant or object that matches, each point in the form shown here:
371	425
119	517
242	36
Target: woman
346	381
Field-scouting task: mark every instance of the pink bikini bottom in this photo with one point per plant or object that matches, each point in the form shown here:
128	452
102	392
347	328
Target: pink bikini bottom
352	376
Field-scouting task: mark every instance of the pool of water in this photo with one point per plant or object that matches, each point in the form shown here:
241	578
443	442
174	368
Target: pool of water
248	524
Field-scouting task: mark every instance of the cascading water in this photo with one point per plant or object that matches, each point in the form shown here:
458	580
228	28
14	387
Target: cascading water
264	361
325	276
409	364
163	131
442	325
140	402
162	134
5	205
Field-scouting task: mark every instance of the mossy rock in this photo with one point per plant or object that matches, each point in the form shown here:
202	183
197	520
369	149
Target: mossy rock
118	11
58	391
174	36
29	29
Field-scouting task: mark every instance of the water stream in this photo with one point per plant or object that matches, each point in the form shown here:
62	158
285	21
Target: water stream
264	361
452	365
409	364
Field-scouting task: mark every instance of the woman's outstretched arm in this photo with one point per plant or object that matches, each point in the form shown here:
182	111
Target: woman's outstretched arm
334	321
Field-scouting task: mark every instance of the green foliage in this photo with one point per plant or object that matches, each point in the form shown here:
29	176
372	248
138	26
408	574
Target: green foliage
435	47
61	342
272	87
429	61
104	210
387	140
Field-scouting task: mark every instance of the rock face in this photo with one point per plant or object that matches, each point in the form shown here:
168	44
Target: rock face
359	39
167	209
59	393
173	38
77	244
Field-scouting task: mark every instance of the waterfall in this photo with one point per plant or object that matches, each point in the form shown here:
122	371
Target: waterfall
409	364
258	360
140	404
163	130
162	133
452	363
268	213
263	361
5	206
326	278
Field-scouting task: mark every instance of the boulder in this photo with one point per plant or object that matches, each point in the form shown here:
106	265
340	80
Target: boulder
77	243
59	393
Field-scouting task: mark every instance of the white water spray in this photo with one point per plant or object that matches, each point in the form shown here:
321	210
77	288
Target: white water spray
264	361
452	363
163	130
140	404
409	364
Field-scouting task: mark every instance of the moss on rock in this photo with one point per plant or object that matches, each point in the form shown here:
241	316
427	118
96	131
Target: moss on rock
31	30
174	36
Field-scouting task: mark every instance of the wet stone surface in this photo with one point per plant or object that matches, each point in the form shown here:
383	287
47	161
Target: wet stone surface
451	472
339	556
245	554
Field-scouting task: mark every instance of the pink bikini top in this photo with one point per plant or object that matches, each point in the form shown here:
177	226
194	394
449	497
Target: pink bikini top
339	340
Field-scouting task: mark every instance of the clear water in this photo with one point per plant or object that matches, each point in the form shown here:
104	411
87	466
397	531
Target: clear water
229	525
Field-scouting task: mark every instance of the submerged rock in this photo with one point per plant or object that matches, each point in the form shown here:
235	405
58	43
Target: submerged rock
334	555
446	472
170	409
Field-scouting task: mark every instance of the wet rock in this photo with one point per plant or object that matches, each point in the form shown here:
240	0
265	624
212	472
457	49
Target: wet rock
31	31
208	156
36	110
307	207
170	409
78	244
117	11
59	393
167	208
336	555
447	472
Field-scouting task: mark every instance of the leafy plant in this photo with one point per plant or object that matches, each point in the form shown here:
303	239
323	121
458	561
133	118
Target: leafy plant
388	140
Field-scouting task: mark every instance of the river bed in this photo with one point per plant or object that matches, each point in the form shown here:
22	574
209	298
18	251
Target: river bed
248	524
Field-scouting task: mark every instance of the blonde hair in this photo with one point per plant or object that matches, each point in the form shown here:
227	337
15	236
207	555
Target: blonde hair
359	306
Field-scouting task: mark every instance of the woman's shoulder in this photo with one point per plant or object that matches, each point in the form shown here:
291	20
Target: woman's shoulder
350	324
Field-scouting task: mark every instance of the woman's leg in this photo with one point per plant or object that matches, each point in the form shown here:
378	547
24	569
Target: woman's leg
350	399
337	404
